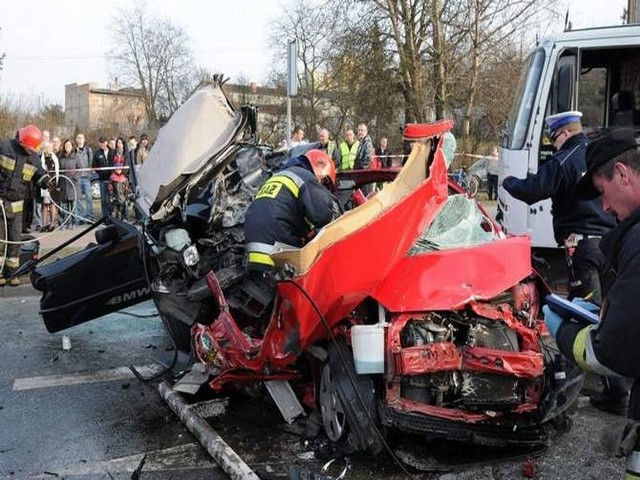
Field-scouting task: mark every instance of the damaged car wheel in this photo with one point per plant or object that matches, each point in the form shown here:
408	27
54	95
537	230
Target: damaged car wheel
348	402
333	417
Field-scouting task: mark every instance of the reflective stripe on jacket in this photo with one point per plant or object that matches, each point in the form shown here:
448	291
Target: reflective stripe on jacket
17	169
288	206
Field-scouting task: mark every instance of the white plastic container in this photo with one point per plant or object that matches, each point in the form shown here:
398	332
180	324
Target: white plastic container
368	348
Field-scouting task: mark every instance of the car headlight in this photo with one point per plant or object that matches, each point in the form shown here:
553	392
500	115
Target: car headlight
190	256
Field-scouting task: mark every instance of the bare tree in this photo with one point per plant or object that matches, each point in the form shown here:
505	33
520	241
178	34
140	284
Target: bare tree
153	55
445	58
321	78
487	30
406	25
371	90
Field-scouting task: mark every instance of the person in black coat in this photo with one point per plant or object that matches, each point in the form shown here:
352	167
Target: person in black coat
101	163
21	166
578	224
610	347
383	153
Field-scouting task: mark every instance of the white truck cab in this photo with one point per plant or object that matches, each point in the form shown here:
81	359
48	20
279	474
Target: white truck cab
596	71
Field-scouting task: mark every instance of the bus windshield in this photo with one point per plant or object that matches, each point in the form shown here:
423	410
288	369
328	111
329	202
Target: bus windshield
520	115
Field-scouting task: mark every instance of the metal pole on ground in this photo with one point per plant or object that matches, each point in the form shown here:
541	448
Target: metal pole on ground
222	453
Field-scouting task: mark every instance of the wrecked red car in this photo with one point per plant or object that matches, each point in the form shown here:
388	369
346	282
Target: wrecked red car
411	311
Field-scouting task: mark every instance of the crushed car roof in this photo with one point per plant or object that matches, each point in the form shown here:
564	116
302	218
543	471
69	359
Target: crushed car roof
196	132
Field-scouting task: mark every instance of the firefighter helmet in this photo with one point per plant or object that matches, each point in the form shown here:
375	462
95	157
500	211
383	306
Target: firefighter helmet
323	167
30	137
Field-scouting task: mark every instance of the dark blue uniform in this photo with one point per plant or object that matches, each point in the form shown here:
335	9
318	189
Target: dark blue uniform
287	208
578	225
558	179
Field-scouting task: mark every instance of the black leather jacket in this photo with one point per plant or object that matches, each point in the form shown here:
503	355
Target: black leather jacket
101	160
615	341
558	179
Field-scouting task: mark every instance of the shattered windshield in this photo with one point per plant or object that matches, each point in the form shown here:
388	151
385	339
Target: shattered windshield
459	224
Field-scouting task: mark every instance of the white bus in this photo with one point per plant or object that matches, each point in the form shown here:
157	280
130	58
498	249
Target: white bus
596	71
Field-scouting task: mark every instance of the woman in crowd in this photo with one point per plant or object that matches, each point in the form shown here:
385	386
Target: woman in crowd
69	165
142	150
118	156
50	197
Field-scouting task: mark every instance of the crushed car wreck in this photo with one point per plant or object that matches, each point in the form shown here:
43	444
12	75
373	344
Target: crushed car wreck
452	301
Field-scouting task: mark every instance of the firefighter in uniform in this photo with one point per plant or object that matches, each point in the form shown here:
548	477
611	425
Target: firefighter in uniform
610	348
578	225
291	205
19	165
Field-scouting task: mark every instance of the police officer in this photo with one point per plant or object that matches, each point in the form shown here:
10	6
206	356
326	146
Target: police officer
289	207
19	165
610	348
578	224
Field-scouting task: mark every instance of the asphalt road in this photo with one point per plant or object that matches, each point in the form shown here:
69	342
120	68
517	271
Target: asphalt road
79	414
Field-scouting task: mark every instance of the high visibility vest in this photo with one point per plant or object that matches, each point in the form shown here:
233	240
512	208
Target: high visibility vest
348	155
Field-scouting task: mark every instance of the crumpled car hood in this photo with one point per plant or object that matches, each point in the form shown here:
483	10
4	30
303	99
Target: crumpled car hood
199	130
379	266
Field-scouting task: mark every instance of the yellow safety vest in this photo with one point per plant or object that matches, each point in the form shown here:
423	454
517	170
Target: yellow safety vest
348	155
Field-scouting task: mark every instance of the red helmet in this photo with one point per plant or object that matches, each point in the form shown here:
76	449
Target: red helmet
323	167
30	137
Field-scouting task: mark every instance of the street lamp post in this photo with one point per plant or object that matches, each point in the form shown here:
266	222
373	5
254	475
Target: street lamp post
292	82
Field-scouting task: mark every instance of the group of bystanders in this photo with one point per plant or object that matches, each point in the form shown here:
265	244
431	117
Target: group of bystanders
68	202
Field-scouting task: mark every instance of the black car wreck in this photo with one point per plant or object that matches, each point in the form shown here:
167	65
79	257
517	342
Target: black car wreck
464	355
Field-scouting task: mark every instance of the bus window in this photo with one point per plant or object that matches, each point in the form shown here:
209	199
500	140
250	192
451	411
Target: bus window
592	97
522	108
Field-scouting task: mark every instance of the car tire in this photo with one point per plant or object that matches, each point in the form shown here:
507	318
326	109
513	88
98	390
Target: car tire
95	189
331	410
356	412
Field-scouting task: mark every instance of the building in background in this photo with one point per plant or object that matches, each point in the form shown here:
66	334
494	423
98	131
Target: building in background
89	108
271	103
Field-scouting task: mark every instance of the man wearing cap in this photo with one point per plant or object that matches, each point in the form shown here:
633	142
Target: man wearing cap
610	348
578	224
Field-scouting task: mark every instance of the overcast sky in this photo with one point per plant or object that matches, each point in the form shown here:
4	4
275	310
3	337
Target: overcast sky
52	43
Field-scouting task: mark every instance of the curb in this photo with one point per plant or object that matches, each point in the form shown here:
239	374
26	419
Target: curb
23	290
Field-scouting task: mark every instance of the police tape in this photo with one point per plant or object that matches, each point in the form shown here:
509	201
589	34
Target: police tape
472	155
97	169
457	154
